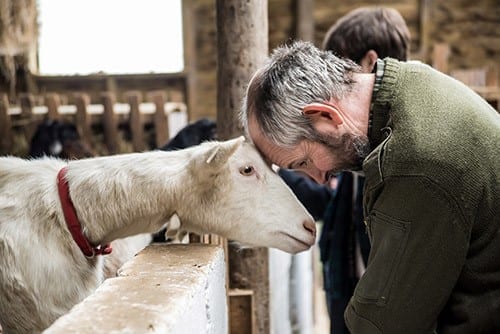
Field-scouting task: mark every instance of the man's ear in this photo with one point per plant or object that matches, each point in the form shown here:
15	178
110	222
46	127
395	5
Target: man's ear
368	61
323	113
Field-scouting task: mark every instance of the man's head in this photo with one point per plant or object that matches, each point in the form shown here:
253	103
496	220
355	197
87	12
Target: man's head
291	108
368	33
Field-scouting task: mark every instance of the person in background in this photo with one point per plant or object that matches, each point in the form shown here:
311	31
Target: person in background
362	35
428	147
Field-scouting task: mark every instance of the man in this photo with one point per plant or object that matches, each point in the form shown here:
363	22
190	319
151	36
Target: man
362	35
428	147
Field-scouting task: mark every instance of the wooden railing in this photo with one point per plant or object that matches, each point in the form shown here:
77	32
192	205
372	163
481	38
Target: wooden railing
106	120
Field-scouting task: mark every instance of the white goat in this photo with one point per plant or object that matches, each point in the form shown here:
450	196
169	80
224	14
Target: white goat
217	187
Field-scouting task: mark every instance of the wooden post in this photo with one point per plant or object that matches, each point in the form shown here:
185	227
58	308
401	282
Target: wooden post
6	139
160	119
240	320
424	29
110	123
242	45
83	122
27	104
304	20
189	30
440	55
135	121
52	102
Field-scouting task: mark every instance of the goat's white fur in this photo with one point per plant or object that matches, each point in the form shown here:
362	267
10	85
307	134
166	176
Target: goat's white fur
205	189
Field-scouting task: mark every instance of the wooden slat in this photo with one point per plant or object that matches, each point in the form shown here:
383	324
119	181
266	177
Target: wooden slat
135	121
110	123
241	312
304	22
27	104
440	55
52	101
6	139
424	27
160	118
242	45
83	121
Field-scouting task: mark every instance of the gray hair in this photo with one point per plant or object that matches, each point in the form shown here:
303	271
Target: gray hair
292	77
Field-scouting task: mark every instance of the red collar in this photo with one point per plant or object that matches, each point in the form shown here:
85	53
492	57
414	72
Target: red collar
72	220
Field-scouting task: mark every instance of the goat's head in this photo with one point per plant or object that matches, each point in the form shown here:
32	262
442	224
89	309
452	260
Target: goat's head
241	198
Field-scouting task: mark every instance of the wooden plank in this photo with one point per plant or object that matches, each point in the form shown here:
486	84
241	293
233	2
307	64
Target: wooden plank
110	123
160	119
83	120
6	139
242	46
440	55
27	103
189	33
52	101
424	28
304	21
241	312
135	121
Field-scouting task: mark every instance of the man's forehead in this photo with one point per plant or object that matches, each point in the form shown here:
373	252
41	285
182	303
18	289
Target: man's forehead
271	152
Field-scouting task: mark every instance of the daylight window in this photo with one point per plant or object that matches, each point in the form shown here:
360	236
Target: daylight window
110	36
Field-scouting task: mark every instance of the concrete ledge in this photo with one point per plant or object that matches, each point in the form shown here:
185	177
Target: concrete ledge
164	289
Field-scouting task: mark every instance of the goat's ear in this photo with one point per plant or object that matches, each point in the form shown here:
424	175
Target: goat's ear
217	156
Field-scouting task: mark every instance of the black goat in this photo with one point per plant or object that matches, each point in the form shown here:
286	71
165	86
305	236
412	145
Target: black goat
58	139
192	134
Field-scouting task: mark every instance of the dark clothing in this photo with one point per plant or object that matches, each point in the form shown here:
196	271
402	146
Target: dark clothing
315	197
431	202
342	215
343	228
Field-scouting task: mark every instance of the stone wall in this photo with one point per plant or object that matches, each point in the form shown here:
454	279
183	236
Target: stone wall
469	27
163	289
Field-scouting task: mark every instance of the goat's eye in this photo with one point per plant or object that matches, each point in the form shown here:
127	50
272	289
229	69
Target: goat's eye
247	170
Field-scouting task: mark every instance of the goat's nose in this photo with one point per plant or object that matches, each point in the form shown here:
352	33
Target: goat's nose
310	226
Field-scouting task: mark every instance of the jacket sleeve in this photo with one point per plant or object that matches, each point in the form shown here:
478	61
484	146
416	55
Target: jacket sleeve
419	244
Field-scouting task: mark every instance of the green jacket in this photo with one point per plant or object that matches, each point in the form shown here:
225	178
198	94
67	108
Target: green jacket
431	204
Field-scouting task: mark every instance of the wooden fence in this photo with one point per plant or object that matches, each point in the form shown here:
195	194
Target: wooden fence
109	126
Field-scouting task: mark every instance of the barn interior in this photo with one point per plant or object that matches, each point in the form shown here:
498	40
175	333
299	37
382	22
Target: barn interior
129	111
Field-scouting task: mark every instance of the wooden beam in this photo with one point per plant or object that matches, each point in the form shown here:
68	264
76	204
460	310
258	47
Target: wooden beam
135	121
52	101
110	123
424	29
83	120
5	126
188	31
27	102
304	20
160	118
241	312
242	46
440	55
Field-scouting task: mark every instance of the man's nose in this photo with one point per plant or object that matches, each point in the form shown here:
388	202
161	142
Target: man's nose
318	176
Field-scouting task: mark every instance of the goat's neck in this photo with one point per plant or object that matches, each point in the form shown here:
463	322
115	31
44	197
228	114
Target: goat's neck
124	195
